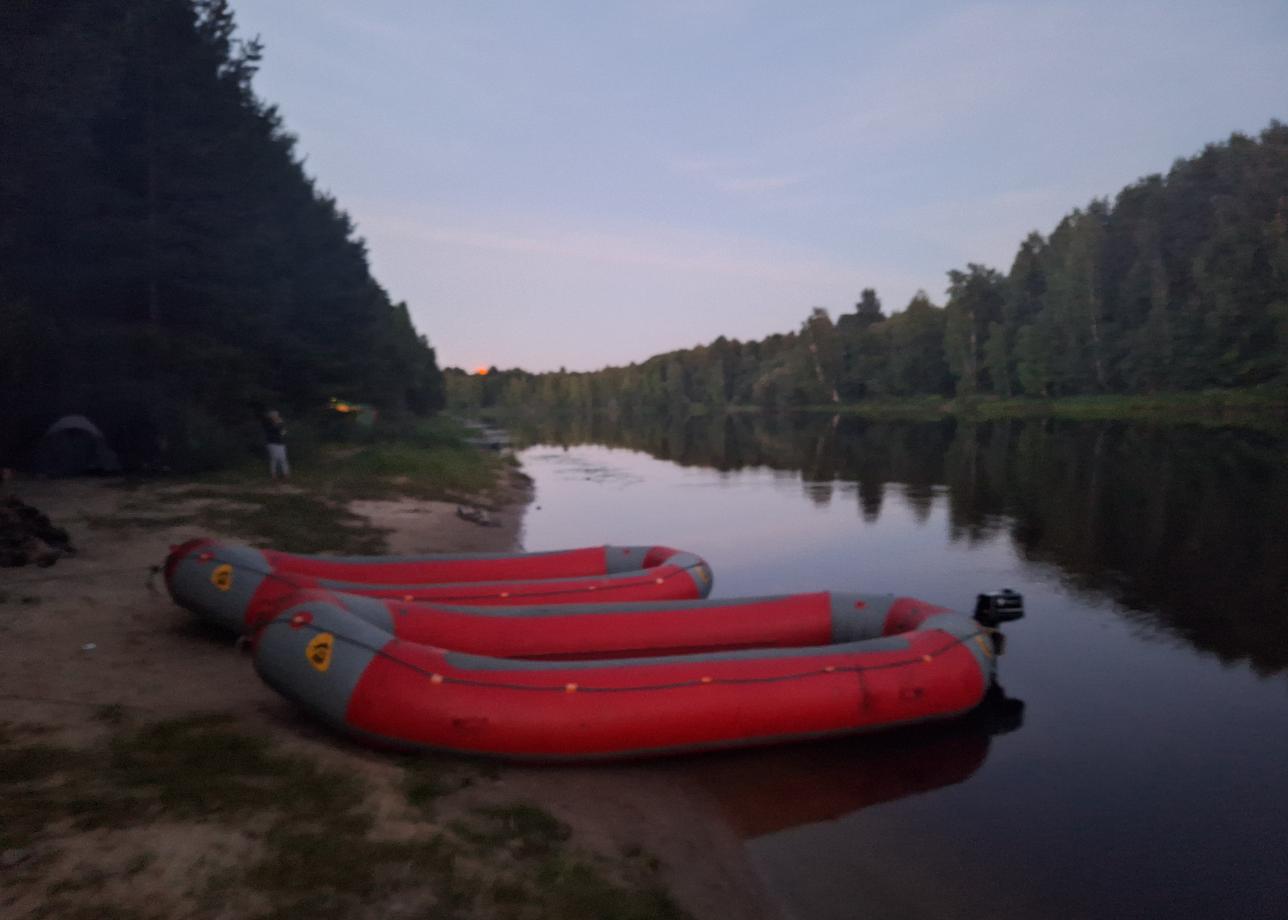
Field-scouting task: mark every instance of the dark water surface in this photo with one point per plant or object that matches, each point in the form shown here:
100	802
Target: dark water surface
1137	765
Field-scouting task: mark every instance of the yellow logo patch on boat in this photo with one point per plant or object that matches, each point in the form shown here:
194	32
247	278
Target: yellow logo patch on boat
222	577
703	575
319	650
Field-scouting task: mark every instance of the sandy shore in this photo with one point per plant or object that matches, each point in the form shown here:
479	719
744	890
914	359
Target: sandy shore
94	642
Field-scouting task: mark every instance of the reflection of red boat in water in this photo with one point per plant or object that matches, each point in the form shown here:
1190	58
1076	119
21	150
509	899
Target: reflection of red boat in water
765	791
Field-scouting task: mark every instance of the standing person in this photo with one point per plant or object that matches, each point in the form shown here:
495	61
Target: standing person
275	437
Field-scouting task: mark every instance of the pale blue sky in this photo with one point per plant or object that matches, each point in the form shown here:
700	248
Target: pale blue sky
581	184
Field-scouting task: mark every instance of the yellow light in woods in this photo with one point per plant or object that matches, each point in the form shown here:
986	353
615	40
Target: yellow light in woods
481	371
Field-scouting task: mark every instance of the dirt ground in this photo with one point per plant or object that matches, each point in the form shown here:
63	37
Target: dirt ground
93	646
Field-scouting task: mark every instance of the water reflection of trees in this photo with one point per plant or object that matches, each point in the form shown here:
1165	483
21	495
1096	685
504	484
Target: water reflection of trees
1187	528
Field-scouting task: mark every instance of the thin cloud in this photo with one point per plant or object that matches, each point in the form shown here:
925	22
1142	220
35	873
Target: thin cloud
756	184
640	289
645	247
734	176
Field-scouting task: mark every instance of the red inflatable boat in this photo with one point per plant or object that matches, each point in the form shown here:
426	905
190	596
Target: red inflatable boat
364	681
234	585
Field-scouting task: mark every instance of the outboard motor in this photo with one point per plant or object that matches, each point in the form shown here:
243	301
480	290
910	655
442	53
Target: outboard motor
994	609
998	607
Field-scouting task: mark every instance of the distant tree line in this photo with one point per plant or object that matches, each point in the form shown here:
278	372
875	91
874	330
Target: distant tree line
166	264
1181	283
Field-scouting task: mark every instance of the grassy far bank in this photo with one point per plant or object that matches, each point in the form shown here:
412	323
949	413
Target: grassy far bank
290	837
1263	409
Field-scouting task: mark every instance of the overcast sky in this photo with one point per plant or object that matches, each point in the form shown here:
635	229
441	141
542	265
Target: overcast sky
580	184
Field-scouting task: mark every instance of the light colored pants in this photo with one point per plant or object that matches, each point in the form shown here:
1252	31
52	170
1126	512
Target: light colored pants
277	460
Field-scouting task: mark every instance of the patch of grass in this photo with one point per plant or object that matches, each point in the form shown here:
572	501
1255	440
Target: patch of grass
575	890
202	766
524	829
125	521
111	713
528	821
327	868
1261	409
29	600
34	784
428	459
10	731
428	779
509	891
95	911
199	767
139	863
449	472
316	518
88	880
315	855
291	521
909	408
37	762
424	788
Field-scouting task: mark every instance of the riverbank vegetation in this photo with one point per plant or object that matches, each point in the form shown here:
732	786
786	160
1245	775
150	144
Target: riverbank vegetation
1177	286
283	835
312	512
167	266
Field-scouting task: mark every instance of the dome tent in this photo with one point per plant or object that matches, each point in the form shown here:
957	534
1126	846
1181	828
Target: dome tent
72	446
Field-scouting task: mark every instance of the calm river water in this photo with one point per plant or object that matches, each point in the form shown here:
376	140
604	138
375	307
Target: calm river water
1136	764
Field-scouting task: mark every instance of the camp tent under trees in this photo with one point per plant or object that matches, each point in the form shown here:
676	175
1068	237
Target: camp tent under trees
73	446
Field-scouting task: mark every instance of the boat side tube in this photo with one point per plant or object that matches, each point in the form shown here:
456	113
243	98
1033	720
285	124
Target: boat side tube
439	568
233	586
624	629
363	681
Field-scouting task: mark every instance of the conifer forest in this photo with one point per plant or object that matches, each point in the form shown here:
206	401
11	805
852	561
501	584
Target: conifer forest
167	265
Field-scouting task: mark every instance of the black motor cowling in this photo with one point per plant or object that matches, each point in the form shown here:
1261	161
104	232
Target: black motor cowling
998	607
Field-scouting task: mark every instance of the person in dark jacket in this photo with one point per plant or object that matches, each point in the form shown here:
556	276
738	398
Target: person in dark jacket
275	437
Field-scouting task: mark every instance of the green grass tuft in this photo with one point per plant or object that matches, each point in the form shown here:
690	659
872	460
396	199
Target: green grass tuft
427	781
37	762
521	828
575	890
202	766
111	713
125	521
